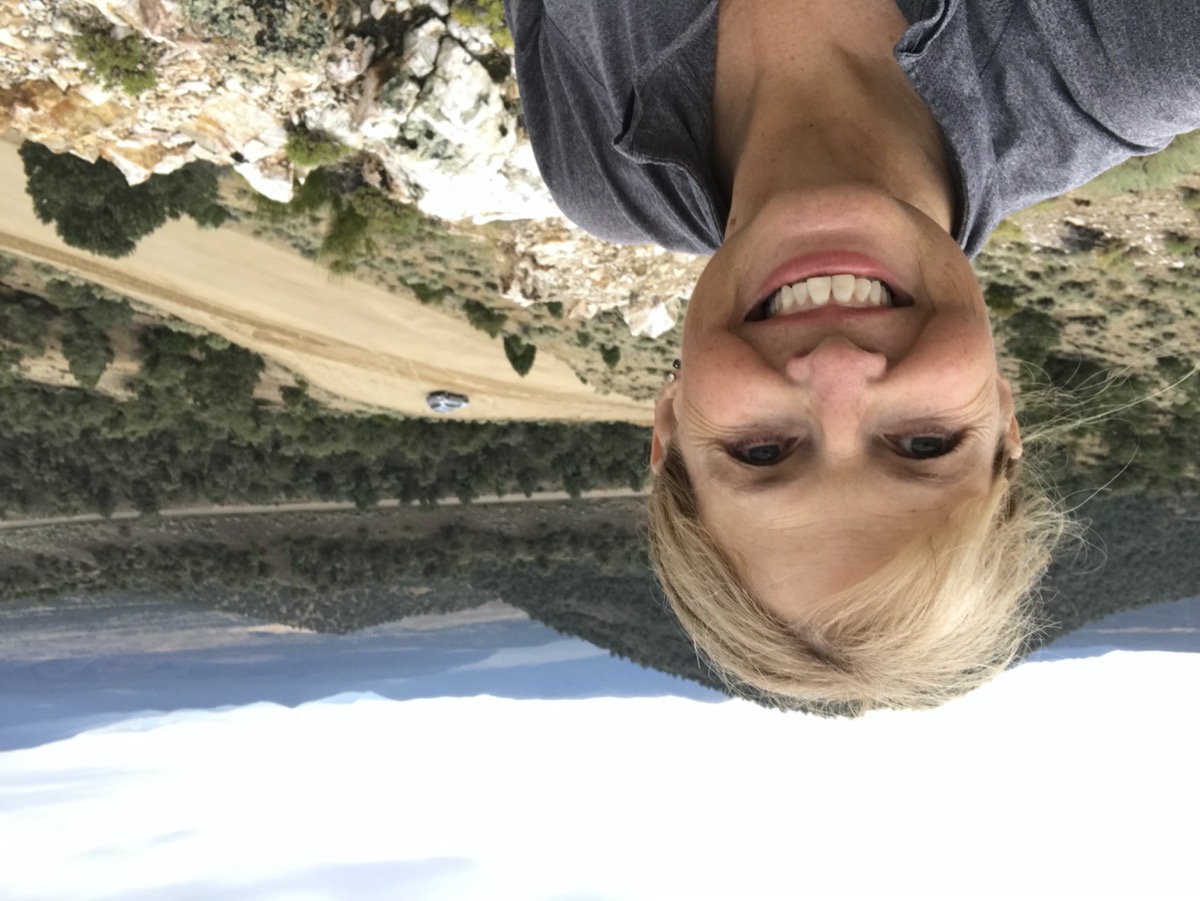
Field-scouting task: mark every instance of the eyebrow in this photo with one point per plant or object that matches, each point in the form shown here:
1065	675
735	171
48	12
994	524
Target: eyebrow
755	484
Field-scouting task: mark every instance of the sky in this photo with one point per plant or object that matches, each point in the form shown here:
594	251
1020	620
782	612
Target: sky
492	758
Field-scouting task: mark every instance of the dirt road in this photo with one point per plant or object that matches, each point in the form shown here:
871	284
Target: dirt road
212	510
353	340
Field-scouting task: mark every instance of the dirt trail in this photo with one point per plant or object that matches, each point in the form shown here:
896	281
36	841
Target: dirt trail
353	340
211	510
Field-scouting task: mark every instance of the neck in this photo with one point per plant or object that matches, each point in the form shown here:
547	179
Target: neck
808	96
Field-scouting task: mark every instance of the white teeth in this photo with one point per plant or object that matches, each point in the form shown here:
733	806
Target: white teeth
819	289
842	288
787	298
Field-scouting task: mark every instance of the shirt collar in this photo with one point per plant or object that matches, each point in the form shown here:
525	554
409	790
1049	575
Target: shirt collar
668	120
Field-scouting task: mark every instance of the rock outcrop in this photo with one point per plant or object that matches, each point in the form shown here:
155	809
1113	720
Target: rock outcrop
420	86
431	97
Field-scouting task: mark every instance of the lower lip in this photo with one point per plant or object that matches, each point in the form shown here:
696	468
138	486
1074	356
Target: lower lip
842	262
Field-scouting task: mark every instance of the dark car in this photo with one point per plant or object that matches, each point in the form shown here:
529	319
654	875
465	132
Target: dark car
446	401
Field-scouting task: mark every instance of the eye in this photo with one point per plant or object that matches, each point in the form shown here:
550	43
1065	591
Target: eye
759	452
926	447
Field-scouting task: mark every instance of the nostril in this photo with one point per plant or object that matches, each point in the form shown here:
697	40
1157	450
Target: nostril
837	360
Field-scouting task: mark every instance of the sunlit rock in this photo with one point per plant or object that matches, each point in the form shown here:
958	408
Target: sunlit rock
270	177
421	46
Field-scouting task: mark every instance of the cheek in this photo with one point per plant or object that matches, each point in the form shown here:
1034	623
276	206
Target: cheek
961	342
956	365
708	405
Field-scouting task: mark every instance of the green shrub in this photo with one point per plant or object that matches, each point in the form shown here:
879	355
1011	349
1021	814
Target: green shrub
94	208
611	355
87	350
386	214
1180	245
519	354
25	321
484	317
1031	335
348	240
355	215
425	292
315	148
1001	297
97	307
127	62
489	14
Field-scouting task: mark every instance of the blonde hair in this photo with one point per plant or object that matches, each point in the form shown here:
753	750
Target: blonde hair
944	616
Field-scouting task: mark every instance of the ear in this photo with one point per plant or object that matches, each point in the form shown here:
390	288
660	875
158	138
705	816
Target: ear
1012	439
664	426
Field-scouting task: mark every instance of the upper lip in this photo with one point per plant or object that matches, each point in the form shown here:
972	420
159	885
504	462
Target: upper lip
834	262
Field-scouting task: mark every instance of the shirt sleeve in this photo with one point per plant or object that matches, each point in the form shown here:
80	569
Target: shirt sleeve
523	17
577	66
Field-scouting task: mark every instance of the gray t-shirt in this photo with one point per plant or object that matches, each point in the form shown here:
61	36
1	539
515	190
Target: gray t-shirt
1034	97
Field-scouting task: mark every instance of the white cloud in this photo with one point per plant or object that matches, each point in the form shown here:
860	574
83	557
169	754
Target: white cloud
1075	779
553	652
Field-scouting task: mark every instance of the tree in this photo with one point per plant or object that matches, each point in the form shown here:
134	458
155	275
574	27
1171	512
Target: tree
87	350
94	208
519	354
484	317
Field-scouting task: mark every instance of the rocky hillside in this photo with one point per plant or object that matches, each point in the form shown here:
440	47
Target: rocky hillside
424	89
422	92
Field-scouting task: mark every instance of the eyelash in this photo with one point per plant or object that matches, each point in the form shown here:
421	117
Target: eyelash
739	450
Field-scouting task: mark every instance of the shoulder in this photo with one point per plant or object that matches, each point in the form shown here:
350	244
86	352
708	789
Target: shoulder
1134	65
584	70
1038	96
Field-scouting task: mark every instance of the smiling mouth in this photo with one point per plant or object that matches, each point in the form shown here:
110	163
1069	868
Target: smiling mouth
842	290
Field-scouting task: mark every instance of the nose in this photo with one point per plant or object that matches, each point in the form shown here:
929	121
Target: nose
837	376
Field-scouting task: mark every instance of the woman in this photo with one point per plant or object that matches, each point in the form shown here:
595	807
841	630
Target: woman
837	517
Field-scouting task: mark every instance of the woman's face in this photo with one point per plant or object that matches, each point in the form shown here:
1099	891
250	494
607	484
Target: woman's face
821	440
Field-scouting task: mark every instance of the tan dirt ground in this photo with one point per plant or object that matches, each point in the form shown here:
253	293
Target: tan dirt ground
371	347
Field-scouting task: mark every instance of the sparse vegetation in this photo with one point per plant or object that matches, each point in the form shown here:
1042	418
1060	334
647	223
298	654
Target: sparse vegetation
1181	246
126	63
484	317
489	14
315	148
1030	335
355	214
